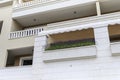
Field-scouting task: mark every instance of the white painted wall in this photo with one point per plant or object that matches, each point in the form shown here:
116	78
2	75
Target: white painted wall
16	73
103	67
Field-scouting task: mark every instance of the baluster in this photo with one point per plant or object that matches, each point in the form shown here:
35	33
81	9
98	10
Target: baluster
39	30
10	36
25	33
32	32
15	34
20	34
35	30
28	33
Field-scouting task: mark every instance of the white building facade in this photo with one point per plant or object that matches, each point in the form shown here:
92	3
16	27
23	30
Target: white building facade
62	21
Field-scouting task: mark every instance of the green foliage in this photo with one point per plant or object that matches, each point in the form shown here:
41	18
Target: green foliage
64	45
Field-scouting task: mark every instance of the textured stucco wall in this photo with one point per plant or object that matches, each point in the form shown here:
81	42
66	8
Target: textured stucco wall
104	66
5	43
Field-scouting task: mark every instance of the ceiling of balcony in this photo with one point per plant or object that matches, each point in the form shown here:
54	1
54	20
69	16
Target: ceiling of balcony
18	52
56	15
108	6
21	51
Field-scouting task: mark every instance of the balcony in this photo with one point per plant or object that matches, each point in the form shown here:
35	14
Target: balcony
64	24
18	4
49	11
16	73
30	12
25	33
70	54
73	45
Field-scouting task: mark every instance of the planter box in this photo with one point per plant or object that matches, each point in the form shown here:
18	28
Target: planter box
115	48
69	54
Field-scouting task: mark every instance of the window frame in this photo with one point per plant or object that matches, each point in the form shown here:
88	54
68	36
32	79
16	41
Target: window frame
24	58
1	25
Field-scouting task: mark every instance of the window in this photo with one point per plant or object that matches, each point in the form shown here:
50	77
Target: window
24	61
1	23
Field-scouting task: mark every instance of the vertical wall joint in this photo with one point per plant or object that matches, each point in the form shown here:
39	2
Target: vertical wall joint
98	9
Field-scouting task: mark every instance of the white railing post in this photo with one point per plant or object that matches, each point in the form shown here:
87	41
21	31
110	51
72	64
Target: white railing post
20	1
15	2
25	33
29	3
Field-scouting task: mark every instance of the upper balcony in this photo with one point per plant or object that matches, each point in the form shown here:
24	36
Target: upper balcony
49	11
37	12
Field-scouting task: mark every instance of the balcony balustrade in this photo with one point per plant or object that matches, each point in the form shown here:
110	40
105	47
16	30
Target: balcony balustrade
25	33
21	3
70	54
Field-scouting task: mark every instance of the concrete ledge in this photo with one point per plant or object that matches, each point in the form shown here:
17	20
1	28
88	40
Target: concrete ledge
69	54
5	3
115	48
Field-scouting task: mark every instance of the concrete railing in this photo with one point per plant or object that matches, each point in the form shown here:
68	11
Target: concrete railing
20	4
70	54
83	21
25	33
16	73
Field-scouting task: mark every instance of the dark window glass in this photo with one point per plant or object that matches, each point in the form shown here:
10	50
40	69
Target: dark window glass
1	23
27	62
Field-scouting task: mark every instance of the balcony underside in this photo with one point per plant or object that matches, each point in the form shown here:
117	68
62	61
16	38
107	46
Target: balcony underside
14	56
54	13
109	6
61	11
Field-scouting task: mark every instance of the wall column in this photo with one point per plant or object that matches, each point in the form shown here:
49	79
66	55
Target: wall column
98	9
3	57
39	48
102	41
15	2
20	1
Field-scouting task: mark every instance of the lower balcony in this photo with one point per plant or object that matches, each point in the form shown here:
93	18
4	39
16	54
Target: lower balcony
70	54
73	45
